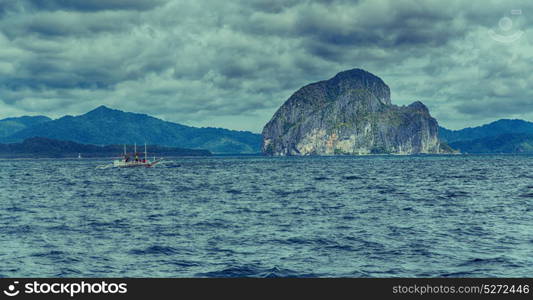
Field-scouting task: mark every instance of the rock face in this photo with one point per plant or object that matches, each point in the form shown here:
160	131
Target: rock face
350	114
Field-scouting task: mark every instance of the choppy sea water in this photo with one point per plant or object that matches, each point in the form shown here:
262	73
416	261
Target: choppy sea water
379	216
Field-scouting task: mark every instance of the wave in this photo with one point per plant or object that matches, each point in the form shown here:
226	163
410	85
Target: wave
527	195
68	272
255	271
352	177
49	254
494	261
155	250
234	191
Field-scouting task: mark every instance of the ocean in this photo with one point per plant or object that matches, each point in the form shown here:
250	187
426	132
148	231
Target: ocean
372	216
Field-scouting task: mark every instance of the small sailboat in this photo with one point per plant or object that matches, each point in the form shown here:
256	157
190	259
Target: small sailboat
128	161
79	155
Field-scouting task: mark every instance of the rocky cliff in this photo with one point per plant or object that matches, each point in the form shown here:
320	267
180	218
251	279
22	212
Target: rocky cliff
350	114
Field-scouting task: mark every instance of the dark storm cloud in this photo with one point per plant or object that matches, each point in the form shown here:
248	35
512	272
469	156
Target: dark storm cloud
273	6
92	5
71	25
500	108
235	62
393	26
64	24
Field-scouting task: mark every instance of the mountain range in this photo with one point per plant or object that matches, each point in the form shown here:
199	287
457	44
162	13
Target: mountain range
10	126
105	126
503	126
502	136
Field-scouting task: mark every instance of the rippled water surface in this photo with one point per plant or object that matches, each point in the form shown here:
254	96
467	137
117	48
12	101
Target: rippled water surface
255	216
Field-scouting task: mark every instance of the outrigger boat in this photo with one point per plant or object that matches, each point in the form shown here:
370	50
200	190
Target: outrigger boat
129	162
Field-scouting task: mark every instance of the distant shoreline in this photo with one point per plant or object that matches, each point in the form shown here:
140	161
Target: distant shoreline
39	147
99	158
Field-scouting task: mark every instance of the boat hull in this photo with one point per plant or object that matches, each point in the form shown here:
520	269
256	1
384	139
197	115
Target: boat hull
133	164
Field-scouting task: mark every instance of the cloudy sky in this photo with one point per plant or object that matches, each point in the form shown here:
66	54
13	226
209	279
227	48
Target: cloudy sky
233	63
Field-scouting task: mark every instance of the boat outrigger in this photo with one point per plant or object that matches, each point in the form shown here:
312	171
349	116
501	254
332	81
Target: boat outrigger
128	162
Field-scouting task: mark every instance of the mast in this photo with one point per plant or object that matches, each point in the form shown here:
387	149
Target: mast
135	149
124	149
145	153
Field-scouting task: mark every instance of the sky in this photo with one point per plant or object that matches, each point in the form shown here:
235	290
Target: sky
232	63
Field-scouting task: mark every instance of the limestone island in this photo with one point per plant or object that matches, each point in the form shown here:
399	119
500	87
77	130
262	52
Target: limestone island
350	114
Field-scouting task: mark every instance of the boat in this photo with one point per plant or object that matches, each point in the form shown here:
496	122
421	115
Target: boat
132	161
